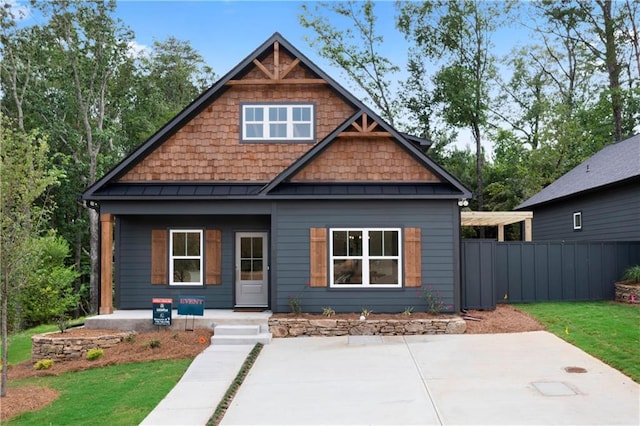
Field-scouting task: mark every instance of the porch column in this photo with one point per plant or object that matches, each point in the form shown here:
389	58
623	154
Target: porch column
527	229
106	263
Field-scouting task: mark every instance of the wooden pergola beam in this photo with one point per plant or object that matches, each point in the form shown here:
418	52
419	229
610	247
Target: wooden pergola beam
499	219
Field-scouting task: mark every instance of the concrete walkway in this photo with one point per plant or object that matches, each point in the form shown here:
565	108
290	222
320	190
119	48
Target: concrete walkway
442	380
194	399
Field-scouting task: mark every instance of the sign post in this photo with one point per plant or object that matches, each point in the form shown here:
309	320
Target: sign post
191	305
161	311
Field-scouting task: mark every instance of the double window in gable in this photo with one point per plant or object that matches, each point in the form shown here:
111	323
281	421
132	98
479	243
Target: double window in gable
278	122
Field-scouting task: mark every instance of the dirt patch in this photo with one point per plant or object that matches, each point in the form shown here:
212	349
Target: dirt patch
504	319
23	399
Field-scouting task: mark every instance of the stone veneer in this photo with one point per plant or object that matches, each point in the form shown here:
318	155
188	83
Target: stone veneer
294	327
624	292
58	347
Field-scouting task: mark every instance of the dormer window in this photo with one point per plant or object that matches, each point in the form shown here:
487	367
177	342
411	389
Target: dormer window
278	122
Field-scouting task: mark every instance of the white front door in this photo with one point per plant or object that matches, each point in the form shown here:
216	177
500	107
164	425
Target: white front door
252	269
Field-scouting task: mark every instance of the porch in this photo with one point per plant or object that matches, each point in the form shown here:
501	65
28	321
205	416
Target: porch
141	320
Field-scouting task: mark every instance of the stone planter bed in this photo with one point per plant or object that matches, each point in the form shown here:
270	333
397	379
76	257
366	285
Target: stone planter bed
323	326
625	290
65	346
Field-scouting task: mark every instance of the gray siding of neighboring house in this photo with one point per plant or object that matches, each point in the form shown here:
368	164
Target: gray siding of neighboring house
609	214
133	258
439	221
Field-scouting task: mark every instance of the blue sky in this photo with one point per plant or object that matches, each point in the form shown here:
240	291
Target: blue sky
225	32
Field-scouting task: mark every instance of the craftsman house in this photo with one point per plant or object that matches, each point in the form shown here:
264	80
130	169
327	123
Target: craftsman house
598	200
277	183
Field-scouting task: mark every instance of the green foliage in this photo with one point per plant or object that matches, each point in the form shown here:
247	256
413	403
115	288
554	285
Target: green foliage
607	330
632	274
49	295
128	393
328	311
152	344
95	353
295	304
365	312
43	364
407	311
433	301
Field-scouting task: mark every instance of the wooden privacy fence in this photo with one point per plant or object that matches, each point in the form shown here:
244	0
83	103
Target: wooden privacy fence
495	272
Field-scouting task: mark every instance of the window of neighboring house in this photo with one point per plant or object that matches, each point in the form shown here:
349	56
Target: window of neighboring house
278	122
577	221
365	257
185	263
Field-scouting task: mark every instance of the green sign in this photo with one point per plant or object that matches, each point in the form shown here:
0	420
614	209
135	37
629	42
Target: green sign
191	305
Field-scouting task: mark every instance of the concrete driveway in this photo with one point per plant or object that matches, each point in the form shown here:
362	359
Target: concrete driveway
423	380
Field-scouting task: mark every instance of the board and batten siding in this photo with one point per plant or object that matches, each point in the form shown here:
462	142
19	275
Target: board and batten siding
133	258
607	215
439	247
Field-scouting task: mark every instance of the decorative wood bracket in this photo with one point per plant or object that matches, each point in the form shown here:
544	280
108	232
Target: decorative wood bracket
279	72
364	129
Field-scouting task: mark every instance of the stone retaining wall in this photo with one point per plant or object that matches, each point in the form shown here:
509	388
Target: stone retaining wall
294	327
624	293
58	347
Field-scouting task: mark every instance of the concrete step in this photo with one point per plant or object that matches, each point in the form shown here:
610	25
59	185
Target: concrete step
236	330
264	338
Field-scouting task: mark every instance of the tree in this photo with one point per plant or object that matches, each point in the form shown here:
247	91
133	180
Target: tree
85	50
356	49
25	177
459	34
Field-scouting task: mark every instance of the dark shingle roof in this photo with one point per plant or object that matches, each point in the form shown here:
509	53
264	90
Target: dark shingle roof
614	163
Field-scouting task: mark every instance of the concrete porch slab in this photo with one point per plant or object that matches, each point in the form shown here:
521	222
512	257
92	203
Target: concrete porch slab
141	320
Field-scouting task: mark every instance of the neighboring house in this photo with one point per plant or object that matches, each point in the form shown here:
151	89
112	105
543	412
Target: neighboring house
597	200
277	183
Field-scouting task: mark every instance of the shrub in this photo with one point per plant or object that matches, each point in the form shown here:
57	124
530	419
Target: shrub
407	311
43	364
93	354
632	273
152	344
295	303
328	311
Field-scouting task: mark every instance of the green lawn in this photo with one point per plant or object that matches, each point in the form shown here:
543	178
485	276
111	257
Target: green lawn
117	395
608	331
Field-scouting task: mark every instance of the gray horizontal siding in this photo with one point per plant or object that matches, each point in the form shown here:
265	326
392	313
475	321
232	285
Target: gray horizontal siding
611	214
133	258
437	219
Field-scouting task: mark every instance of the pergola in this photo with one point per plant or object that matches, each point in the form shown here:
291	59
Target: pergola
499	219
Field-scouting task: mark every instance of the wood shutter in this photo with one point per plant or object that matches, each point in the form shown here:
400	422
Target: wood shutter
213	257
318	257
412	258
159	259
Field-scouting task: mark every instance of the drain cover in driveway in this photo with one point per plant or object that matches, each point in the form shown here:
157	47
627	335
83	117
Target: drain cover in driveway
553	389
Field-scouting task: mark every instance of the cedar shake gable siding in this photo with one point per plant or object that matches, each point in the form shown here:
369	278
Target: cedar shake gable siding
209	148
364	160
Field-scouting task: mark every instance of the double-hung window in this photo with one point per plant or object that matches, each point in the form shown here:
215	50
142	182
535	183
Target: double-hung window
278	122
366	257
185	250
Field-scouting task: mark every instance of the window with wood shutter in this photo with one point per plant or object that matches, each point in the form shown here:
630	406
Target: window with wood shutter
412	257
318	257
365	257
159	258
213	255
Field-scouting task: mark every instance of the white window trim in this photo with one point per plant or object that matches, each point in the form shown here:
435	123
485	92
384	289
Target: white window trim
289	122
364	258
172	257
577	221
